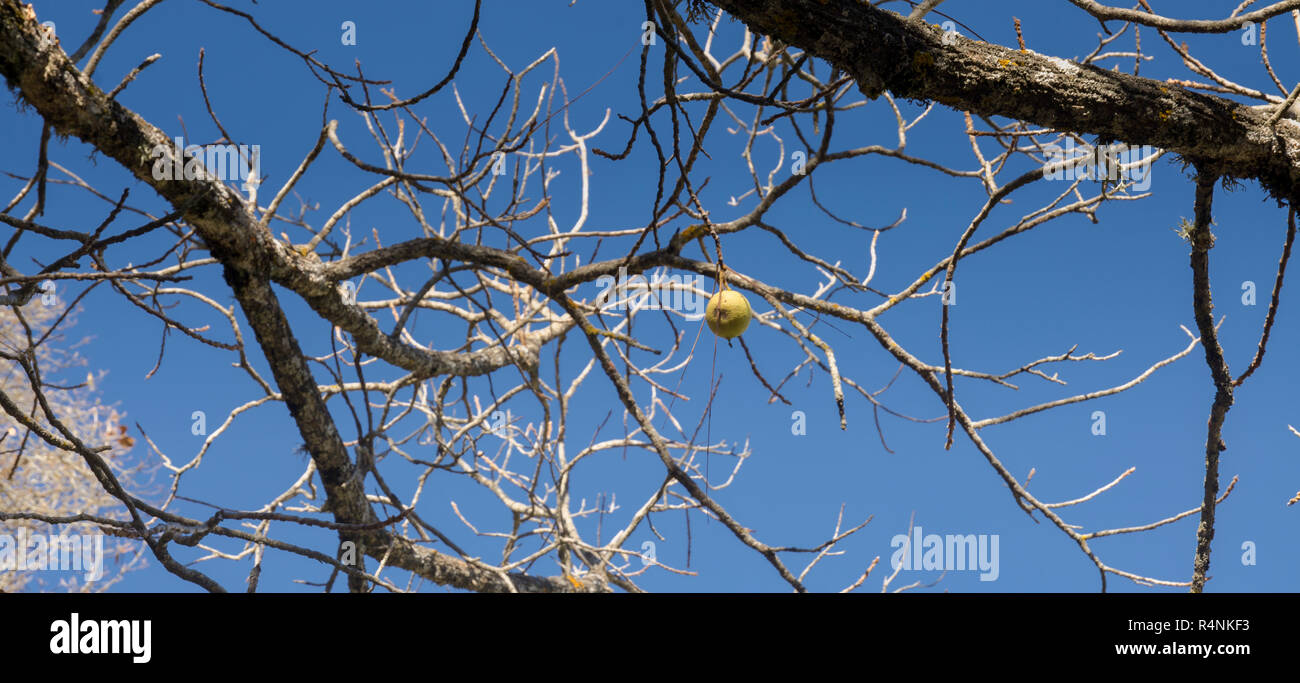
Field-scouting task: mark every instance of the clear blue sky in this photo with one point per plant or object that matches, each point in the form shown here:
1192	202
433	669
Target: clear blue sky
1121	284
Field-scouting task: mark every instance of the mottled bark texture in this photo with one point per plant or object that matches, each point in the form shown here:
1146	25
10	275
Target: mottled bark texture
884	51
1202	240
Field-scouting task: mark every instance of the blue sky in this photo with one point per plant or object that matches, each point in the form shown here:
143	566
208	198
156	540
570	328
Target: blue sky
1120	284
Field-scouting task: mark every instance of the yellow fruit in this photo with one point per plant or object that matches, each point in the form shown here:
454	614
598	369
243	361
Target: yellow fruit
728	313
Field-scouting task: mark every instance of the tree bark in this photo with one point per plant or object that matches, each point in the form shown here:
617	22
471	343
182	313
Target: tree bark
884	51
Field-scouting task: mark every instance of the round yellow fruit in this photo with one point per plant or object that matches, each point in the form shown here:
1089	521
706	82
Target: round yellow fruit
728	313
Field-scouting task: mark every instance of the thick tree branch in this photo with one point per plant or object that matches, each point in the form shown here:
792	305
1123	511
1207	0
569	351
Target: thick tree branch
884	51
74	106
342	479
1202	240
71	103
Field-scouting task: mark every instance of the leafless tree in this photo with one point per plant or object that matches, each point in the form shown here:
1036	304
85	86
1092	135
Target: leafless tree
422	415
